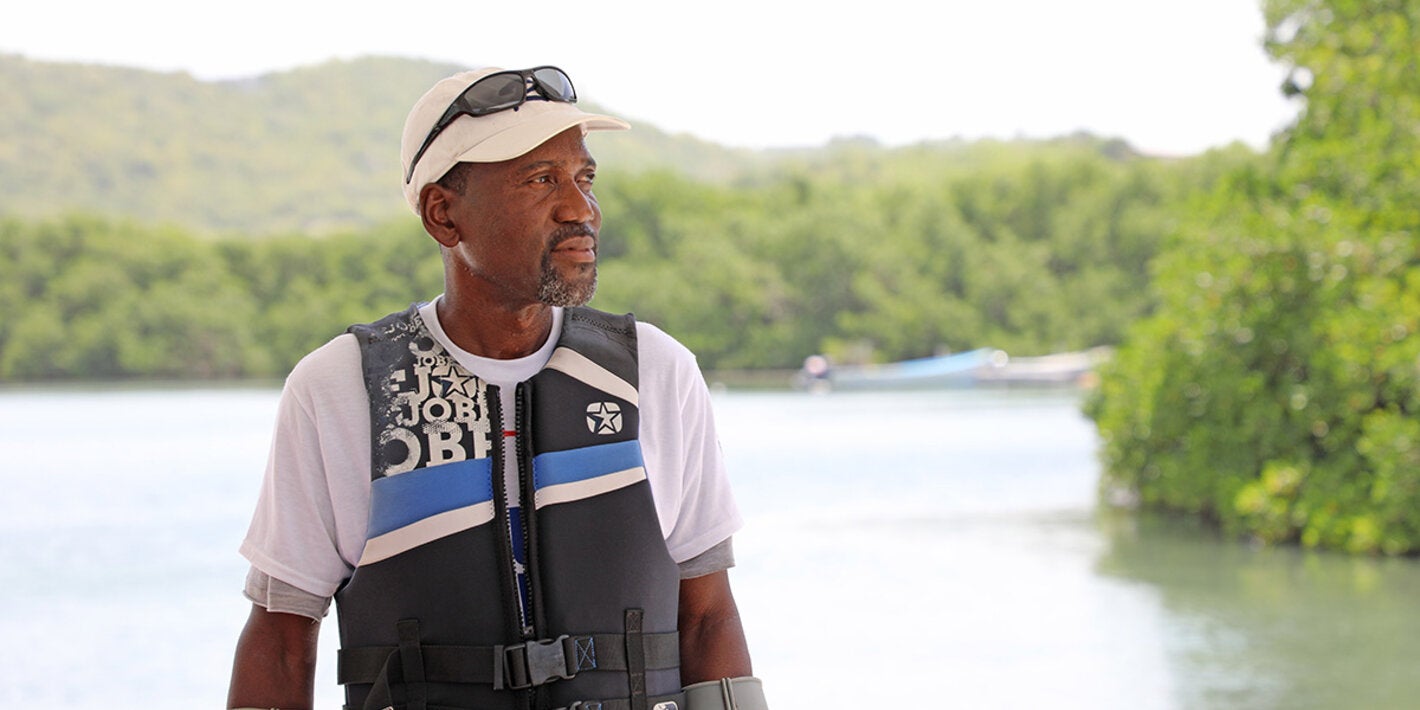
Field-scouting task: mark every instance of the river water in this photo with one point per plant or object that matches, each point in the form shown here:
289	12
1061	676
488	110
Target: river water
939	549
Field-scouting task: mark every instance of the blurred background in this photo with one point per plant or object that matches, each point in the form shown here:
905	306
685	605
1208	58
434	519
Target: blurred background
1109	312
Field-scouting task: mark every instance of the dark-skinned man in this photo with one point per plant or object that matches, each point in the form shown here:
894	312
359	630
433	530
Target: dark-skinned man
515	501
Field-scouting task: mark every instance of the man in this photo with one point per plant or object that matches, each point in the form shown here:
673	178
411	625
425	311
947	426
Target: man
515	501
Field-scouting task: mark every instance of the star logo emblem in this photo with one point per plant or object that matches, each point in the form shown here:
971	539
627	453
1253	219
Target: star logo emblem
604	418
454	383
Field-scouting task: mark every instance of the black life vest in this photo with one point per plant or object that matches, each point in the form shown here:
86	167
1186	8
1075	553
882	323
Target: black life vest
431	617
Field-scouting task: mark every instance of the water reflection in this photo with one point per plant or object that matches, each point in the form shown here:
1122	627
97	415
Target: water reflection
1255	627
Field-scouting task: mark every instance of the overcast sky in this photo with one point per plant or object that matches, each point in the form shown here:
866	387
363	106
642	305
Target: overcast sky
1171	77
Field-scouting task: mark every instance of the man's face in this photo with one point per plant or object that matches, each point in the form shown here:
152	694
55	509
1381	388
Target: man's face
528	226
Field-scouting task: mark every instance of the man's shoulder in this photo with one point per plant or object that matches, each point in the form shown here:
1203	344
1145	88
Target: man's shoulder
658	346
341	355
389	327
334	366
669	372
654	344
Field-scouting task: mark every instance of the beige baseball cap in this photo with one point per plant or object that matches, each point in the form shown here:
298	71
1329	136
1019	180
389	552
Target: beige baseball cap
498	136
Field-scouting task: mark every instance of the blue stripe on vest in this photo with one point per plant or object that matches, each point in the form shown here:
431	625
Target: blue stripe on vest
404	498
556	467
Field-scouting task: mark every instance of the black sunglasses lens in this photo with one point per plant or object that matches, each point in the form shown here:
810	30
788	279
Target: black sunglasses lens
495	93
555	84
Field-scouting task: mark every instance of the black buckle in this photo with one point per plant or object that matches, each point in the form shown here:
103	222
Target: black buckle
527	665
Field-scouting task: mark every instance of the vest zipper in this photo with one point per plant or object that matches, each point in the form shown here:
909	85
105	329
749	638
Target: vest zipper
507	570
522	403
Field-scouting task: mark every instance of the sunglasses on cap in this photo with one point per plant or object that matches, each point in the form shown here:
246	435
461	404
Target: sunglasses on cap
500	92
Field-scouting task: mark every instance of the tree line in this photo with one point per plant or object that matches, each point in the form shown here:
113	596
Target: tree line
859	252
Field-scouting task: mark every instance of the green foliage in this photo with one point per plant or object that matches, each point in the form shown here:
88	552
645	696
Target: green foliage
92	299
869	253
314	150
305	291
1276	388
87	298
860	252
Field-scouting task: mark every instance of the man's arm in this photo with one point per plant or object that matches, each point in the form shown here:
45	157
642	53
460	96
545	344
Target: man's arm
712	640
276	662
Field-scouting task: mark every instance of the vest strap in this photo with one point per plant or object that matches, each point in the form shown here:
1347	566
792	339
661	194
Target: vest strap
636	658
412	663
516	665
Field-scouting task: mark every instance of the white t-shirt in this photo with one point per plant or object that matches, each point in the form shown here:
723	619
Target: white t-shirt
310	523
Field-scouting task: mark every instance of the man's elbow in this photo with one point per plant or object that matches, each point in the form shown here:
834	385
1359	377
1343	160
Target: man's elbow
712	639
275	662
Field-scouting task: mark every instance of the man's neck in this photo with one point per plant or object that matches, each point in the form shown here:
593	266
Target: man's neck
492	331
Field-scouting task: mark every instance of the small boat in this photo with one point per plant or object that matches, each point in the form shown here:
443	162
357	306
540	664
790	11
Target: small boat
1076	368
952	370
980	367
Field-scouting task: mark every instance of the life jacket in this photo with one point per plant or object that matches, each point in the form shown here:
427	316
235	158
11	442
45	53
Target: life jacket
433	616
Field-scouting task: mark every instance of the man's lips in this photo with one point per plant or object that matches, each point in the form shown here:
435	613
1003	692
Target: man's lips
578	248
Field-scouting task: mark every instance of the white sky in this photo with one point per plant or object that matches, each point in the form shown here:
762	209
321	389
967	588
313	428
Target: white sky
1169	76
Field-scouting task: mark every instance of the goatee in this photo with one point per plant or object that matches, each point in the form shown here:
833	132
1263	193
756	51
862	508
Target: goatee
554	290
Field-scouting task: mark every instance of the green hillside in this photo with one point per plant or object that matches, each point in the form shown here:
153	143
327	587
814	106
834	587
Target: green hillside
311	150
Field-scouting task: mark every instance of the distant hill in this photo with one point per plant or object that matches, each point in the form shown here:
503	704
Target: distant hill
309	150
316	149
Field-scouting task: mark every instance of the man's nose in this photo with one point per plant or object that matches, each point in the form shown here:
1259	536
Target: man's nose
576	205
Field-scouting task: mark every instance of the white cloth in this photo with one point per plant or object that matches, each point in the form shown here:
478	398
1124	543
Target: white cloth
310	521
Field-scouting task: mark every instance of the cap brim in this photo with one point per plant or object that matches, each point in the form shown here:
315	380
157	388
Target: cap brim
497	137
520	138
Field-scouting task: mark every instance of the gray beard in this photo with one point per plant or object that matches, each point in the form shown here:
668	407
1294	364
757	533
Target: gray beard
553	290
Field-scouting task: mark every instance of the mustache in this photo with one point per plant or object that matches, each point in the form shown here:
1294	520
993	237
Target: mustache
570	231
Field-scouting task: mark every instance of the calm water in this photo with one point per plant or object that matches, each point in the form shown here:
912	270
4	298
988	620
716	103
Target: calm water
908	549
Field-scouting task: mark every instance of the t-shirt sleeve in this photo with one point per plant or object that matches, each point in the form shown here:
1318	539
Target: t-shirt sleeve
309	520
684	462
720	557
274	595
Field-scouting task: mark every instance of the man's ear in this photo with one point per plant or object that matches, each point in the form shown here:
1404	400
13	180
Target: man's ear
434	203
